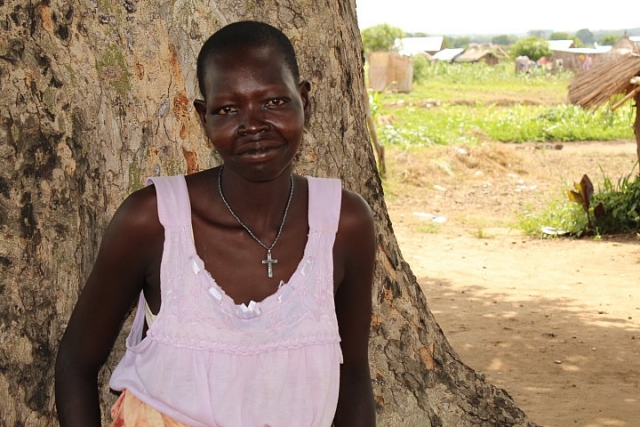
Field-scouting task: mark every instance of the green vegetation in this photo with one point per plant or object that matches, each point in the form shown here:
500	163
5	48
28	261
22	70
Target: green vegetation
533	47
470	103
380	37
609	40
467	104
565	36
559	35
613	209
462	42
420	68
620	205
561	216
504	40
586	36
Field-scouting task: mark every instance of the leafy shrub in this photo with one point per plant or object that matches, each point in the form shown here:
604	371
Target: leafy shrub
561	215
420	68
613	209
380	37
621	203
532	47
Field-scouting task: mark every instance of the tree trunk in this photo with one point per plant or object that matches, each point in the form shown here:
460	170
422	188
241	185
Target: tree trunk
97	95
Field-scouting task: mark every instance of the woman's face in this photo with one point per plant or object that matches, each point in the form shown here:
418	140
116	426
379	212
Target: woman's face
254	112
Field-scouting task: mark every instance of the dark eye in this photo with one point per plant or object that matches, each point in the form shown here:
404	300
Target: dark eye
275	102
225	110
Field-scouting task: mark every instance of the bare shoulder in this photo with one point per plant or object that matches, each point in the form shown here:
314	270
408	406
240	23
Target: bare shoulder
356	217
134	233
355	244
139	211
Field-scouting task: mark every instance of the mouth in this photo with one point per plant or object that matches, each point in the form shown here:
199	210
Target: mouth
258	150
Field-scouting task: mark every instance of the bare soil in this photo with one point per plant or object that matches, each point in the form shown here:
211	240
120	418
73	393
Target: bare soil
555	322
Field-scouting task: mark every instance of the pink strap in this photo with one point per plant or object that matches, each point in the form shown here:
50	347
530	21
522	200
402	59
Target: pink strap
325	196
174	207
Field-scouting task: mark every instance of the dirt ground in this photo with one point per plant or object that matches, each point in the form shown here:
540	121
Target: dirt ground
555	322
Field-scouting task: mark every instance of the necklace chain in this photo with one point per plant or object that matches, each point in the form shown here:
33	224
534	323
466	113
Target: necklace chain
269	261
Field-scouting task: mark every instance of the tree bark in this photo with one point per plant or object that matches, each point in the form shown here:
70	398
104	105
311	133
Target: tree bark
97	95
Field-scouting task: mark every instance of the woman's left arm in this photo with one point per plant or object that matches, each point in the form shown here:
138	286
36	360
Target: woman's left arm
354	257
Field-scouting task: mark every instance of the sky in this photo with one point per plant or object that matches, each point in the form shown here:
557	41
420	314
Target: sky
458	17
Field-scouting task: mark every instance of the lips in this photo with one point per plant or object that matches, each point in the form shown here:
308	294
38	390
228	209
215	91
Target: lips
258	151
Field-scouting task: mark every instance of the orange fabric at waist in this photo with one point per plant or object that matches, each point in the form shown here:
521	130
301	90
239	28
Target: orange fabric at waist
129	411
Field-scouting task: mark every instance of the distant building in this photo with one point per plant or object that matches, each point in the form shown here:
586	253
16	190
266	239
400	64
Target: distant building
561	44
477	55
623	46
447	55
564	54
390	71
410	46
579	58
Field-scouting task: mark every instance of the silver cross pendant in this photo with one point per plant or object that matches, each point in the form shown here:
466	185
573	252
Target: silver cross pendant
269	261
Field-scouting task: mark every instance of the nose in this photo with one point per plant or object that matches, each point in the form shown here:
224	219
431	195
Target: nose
253	122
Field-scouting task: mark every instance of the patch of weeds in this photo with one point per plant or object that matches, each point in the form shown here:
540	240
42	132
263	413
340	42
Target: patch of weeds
620	203
480	233
452	104
613	209
429	228
561	215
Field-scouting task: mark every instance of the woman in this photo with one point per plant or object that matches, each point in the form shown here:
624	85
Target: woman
256	282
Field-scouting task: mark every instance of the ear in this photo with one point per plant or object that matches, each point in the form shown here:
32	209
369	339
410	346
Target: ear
305	87
201	108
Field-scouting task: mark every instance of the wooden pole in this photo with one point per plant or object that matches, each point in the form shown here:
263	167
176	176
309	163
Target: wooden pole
626	98
636	127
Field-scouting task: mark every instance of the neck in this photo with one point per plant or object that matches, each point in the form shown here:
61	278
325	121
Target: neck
260	205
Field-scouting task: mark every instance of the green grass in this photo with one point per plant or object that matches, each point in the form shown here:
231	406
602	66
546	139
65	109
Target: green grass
480	233
479	82
621	211
465	104
429	228
561	214
458	104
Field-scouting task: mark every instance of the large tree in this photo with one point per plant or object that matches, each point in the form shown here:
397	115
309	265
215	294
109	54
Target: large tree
381	37
586	36
532	47
96	95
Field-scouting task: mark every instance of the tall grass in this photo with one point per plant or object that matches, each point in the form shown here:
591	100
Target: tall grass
470	103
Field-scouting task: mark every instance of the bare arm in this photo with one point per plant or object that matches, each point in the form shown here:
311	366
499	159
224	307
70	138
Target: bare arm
354	253
129	248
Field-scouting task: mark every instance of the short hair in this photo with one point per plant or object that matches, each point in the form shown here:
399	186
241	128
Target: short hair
243	34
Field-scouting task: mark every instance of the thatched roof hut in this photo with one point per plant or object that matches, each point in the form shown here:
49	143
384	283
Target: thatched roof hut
593	88
622	47
618	76
477	55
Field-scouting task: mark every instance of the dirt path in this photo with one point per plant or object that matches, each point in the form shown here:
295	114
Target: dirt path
554	322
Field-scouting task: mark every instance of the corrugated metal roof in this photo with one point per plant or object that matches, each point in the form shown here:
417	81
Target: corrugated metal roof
413	45
586	50
560	44
447	54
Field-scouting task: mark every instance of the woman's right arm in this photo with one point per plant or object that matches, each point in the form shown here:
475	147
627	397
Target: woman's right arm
131	247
